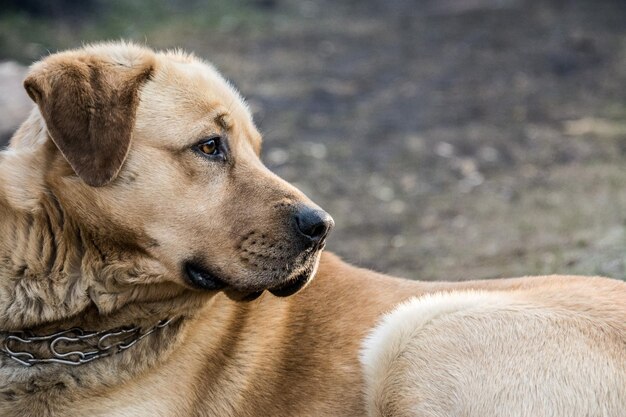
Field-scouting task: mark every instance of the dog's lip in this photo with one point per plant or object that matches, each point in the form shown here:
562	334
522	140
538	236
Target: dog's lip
201	278
245	296
286	289
292	286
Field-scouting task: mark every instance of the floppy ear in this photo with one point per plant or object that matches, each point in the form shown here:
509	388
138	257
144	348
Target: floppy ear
89	107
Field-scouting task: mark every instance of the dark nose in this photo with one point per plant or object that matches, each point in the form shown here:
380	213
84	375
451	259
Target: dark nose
314	224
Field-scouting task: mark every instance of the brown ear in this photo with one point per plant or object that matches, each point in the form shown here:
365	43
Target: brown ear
89	107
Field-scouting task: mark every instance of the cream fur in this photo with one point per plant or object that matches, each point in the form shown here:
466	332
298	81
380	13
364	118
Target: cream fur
478	354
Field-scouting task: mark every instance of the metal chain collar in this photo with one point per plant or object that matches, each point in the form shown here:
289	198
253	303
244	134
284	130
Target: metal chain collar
74	346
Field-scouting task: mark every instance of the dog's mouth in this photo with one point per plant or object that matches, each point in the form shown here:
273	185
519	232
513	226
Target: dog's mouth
203	279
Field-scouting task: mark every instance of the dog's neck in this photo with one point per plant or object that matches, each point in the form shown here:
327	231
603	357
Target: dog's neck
51	270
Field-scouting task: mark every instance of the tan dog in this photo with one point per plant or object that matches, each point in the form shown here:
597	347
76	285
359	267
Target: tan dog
133	205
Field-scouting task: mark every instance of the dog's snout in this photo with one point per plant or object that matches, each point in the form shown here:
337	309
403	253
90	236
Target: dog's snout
315	224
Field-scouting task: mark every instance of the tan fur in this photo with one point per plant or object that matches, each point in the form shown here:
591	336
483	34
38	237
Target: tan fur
102	199
495	354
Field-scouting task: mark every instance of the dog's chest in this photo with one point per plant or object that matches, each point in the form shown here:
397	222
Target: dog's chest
128	406
149	395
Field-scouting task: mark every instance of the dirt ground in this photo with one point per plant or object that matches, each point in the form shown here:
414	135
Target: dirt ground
450	139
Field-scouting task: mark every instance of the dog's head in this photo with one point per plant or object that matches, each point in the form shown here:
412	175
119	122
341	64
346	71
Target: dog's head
156	151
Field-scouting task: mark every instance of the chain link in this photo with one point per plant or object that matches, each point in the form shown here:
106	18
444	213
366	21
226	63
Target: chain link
74	346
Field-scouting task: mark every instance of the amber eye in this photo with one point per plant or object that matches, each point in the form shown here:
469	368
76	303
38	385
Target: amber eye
210	146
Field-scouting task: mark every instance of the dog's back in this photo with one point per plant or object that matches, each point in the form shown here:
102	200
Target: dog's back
530	352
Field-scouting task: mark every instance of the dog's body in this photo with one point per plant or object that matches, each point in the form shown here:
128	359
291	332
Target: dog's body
184	223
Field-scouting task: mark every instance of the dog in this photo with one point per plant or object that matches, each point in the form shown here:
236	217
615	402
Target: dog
151	265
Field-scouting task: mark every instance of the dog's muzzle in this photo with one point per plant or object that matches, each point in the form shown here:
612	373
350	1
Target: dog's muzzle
281	274
202	279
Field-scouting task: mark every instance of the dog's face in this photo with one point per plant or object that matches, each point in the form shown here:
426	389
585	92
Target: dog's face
159	152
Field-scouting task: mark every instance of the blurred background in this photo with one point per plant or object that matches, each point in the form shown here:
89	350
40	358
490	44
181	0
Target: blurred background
450	139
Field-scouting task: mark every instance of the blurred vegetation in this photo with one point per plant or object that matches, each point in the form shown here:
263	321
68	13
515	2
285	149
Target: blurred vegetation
32	28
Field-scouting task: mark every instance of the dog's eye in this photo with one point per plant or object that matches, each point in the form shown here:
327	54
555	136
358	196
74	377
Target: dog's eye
210	146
